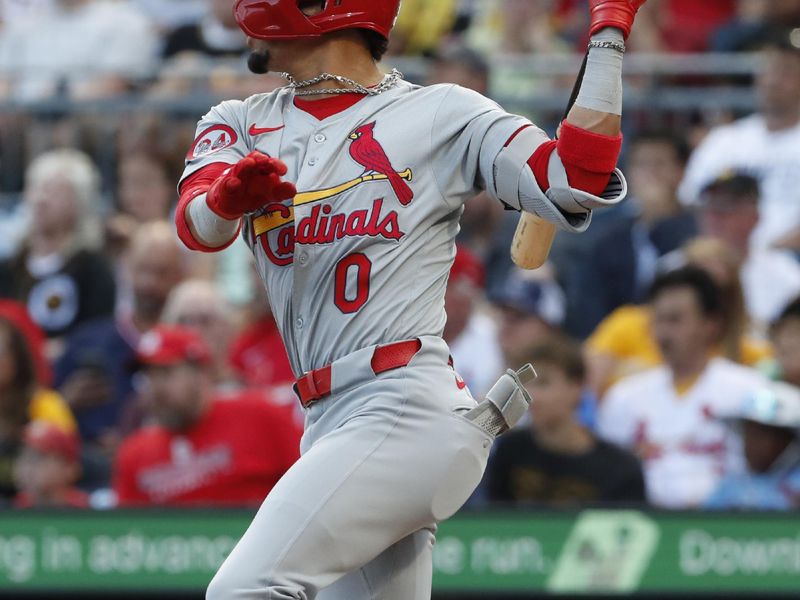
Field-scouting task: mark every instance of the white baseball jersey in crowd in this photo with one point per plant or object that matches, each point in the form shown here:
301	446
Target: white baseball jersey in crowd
771	156
360	258
685	445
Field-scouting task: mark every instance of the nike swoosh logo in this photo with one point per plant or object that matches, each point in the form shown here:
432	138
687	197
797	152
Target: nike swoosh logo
254	131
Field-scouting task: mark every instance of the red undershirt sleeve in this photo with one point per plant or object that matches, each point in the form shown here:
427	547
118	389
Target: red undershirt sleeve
196	184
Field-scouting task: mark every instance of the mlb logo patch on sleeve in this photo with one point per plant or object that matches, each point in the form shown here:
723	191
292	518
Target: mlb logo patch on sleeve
212	140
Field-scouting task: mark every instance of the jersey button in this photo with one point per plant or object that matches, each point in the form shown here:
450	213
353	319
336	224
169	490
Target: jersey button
319	138
298	323
312	161
303	258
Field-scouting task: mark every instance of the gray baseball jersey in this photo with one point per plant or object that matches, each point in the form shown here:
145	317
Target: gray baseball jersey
363	253
359	258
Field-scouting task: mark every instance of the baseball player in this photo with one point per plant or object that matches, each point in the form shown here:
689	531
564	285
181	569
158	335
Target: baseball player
348	184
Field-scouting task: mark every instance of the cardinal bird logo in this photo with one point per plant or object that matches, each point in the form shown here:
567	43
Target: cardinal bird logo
369	153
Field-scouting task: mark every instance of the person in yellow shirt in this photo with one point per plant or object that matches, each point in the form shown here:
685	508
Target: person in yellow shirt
422	24
22	400
623	343
48	405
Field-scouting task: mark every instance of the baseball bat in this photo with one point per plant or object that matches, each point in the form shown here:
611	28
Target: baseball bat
534	235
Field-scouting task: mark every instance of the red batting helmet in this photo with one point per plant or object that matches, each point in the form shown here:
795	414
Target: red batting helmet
283	19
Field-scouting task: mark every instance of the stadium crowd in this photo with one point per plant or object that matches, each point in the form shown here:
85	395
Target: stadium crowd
666	340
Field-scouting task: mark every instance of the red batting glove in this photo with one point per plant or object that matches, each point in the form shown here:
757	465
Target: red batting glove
250	184
614	13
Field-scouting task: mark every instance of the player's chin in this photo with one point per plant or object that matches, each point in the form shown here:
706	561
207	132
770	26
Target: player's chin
259	61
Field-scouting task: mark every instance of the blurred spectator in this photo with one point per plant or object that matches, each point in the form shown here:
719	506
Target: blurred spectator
518	27
13	11
748	25
16	313
22	399
785	335
78	48
571	257
723	263
729	212
531	310
59	274
557	461
458	64
216	35
145	192
422	24
257	354
670	415
790	241
623	343
94	372
172	14
487	229
482	220
199	305
680	25
47	468
766	145
753	21
770	423
469	331
203	448
622	262
13	224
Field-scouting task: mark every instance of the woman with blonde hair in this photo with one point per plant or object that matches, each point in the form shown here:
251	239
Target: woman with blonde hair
622	344
59	274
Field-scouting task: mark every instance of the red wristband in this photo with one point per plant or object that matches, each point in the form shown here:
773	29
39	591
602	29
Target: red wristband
588	158
588	151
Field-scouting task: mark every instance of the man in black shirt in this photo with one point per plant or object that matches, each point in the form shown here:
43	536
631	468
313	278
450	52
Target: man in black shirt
555	461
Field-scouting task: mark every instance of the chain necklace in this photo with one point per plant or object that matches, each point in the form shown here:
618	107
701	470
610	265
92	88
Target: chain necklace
388	82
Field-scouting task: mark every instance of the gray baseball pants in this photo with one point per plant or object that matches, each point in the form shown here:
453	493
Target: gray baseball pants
384	459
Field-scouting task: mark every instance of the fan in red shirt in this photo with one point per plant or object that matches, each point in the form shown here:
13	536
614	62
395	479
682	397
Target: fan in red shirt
687	25
258	355
204	449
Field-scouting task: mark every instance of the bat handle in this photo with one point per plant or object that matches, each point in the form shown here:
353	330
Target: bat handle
532	241
534	236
